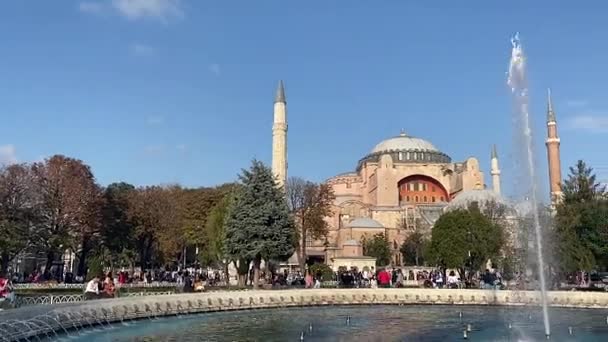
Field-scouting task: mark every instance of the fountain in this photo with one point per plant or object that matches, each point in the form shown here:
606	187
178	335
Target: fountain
519	89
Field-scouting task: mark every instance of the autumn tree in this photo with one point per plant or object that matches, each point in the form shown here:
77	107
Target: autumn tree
259	225
69	207
464	237
17	212
310	204
378	247
152	211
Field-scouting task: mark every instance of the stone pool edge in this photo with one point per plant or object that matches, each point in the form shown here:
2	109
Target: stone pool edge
48	319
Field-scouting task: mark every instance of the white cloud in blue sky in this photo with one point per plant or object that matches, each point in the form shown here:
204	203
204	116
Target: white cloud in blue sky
156	9
8	154
155	120
162	10
140	49
215	69
90	7
577	103
596	123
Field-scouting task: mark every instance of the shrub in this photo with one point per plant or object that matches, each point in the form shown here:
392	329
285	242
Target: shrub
322	272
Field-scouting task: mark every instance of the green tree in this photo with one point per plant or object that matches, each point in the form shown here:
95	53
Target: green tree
463	238
310	204
117	234
322	272
413	248
216	234
581	222
17	212
581	185
259	225
378	247
194	207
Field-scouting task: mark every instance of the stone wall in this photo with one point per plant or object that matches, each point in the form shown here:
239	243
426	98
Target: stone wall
45	320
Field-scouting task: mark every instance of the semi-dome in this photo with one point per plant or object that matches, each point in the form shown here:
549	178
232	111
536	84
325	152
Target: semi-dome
404	142
481	196
364	222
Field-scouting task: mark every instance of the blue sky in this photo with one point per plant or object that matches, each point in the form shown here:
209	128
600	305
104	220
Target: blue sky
163	91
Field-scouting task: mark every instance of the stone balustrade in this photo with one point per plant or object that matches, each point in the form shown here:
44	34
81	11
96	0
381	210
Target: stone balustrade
61	286
50	319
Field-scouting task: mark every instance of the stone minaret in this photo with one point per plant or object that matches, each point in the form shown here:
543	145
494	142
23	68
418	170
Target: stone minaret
552	142
495	171
279	136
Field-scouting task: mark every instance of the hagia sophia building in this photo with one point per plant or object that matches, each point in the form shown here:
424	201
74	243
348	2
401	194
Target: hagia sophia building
401	185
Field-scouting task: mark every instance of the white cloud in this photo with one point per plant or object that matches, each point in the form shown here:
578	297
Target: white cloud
90	7
7	155
154	150
155	120
577	103
589	123
215	69
162	10
139	49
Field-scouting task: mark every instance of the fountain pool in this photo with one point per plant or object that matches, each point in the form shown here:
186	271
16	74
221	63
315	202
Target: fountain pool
362	323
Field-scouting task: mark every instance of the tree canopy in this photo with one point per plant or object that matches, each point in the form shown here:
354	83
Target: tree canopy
377	246
581	222
259	225
414	248
464	237
310	204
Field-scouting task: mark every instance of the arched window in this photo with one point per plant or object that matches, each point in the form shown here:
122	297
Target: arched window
424	198
416	199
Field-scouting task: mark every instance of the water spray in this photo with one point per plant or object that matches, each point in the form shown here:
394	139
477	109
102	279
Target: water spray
519	89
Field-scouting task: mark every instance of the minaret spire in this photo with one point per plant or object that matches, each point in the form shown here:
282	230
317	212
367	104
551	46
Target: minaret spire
553	154
495	170
280	96
279	136
550	112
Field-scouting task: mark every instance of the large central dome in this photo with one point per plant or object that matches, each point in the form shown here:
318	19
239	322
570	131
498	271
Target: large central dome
405	149
404	142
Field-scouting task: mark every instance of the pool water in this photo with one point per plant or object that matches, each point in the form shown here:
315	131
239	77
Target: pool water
361	323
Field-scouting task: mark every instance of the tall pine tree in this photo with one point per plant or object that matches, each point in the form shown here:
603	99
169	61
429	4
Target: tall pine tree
259	226
581	229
